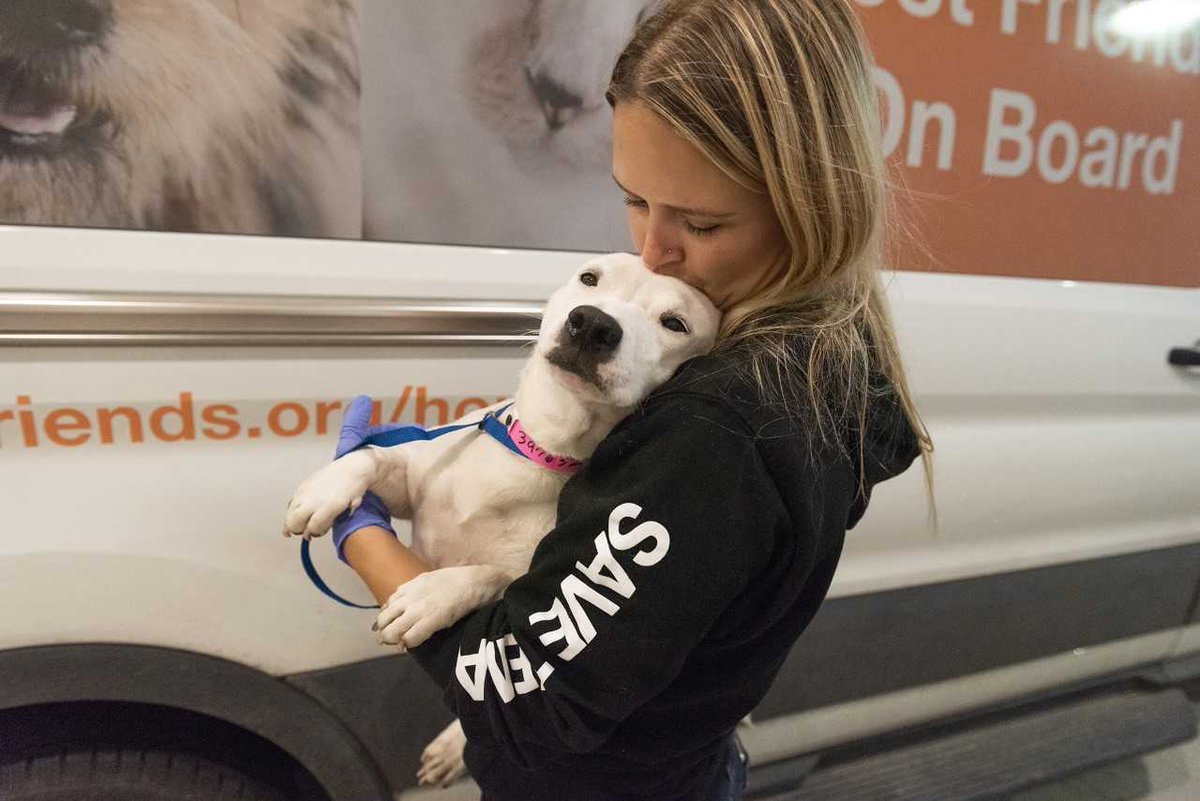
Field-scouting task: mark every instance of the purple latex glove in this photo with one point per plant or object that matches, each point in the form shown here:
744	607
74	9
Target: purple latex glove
372	511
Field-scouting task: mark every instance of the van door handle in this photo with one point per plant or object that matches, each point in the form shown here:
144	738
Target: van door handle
1184	357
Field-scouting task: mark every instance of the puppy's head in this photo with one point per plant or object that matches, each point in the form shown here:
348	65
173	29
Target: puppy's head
616	330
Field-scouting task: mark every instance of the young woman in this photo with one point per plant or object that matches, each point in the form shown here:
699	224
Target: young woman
746	141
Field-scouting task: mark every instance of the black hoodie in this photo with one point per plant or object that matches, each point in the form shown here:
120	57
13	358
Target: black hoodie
690	552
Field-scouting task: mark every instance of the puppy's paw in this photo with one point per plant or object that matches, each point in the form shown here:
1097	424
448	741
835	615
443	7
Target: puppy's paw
327	493
442	760
436	600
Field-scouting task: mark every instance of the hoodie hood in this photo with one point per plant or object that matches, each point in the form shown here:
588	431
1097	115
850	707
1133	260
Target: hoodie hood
889	446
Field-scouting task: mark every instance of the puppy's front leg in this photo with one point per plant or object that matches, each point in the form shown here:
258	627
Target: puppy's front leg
390	481
337	486
437	600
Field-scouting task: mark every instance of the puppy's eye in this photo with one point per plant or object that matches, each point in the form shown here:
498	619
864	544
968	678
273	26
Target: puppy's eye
674	324
589	279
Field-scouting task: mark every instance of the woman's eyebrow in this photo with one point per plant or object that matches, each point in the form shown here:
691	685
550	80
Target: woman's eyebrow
717	215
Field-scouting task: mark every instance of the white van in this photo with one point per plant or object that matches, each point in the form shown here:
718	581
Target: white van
162	394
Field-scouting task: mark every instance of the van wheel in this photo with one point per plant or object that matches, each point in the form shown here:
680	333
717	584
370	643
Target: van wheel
127	774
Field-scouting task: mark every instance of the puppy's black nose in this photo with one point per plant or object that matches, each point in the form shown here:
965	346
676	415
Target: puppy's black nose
37	25
558	103
593	330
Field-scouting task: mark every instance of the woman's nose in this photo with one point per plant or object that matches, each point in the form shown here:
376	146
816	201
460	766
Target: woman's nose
658	255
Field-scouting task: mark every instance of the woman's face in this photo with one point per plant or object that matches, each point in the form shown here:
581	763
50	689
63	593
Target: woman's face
688	219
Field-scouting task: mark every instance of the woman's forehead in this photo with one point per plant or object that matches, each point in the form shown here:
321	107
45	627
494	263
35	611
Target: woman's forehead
655	163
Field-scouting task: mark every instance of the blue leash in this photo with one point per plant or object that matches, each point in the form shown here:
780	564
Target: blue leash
490	425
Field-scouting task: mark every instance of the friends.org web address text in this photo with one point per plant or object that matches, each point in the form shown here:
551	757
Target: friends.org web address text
31	425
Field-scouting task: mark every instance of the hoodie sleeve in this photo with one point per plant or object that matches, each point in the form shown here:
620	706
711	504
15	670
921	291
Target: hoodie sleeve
664	526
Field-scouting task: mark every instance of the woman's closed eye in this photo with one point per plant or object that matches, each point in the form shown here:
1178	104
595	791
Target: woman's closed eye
692	228
701	230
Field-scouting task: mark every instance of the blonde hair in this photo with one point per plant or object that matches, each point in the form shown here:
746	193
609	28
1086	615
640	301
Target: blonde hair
779	95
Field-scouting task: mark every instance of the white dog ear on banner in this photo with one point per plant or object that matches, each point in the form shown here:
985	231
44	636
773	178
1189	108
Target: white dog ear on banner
515	89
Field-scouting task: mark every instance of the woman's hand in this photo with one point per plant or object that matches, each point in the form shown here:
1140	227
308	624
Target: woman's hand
356	427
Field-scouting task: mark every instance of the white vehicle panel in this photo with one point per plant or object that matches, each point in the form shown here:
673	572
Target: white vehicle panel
1062	434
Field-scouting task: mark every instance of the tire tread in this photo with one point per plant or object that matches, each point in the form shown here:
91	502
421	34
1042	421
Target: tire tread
76	774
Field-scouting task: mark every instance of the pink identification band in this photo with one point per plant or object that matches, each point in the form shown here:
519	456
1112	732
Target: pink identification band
538	454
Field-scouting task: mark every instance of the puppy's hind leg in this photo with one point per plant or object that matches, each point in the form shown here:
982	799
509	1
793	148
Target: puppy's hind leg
442	760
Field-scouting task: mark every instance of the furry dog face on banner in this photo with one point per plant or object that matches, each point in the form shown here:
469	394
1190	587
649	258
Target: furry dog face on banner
619	330
538	81
195	115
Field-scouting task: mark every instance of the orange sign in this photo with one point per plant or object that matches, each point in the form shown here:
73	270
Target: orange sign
1037	142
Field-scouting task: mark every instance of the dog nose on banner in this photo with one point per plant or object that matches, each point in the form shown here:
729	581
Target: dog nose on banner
558	103
593	330
30	26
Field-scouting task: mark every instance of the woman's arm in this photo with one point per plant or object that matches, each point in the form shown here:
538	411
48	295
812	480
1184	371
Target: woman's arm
382	561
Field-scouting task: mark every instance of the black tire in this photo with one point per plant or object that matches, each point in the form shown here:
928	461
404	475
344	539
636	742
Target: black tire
127	774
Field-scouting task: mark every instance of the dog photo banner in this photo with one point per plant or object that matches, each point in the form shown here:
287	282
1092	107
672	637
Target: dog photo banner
1035	139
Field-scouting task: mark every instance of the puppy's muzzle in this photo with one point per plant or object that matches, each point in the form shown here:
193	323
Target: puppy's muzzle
588	339
593	331
35	27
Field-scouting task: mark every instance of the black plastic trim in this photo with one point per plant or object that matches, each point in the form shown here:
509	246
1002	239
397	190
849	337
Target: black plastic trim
865	645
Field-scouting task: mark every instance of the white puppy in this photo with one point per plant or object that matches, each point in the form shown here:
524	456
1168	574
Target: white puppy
608	337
